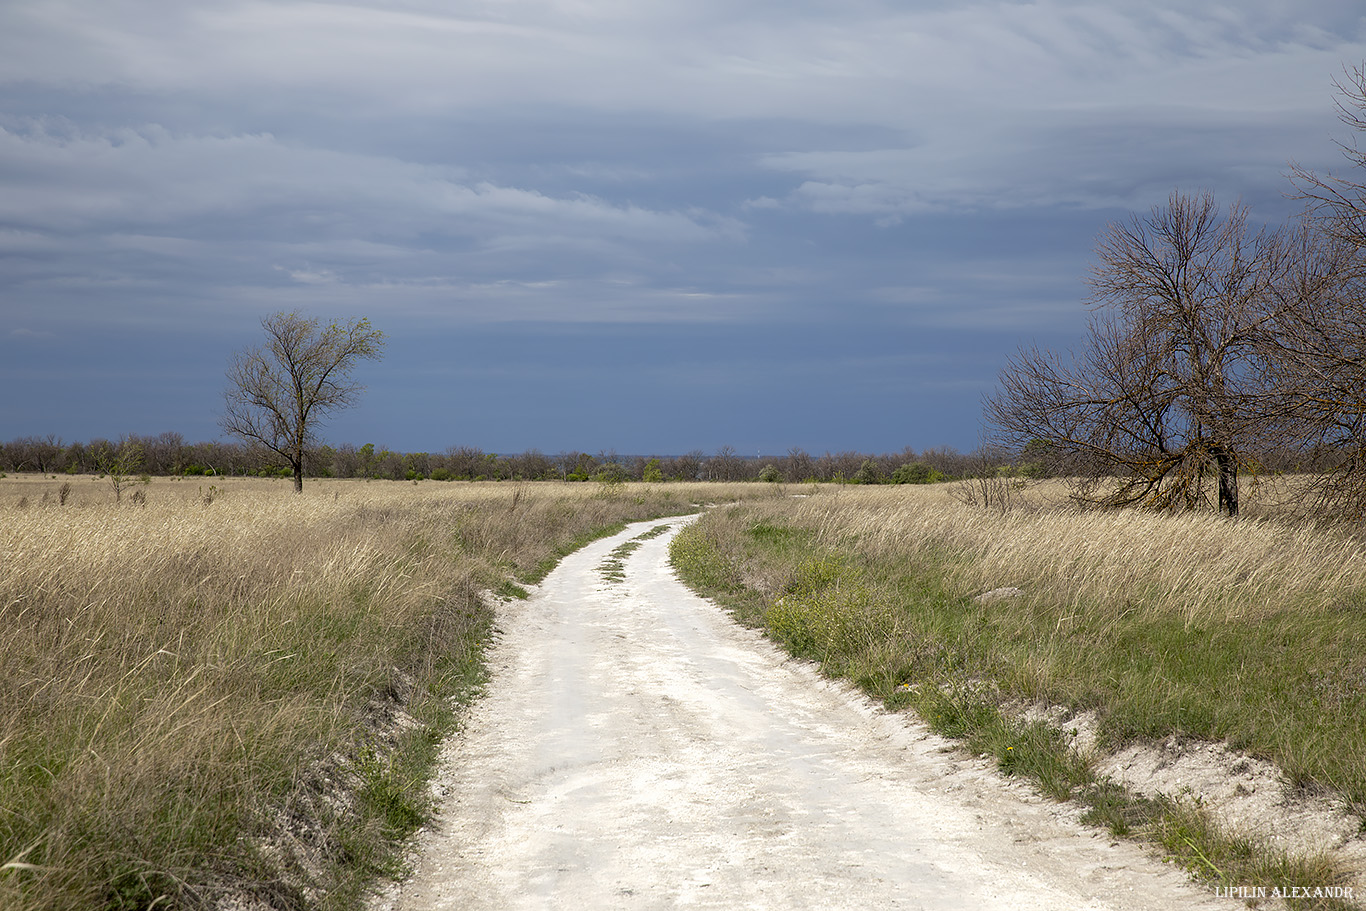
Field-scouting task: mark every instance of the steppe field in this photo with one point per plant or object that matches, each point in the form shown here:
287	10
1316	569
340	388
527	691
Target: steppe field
217	691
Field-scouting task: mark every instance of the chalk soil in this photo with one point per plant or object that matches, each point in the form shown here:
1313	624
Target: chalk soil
638	749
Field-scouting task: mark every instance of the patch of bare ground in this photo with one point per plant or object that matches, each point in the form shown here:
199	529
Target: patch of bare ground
1245	796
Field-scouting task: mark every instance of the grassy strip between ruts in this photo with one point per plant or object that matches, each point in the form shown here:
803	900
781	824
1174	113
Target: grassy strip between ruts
879	591
613	568
239	694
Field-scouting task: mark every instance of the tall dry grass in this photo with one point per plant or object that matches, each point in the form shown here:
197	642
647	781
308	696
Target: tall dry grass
181	678
1198	566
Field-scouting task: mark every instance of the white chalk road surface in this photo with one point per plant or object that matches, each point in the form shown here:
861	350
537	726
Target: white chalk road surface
637	749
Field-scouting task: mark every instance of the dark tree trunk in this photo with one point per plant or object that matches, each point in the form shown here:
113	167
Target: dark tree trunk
1228	481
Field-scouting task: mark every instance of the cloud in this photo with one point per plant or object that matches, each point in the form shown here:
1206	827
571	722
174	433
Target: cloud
127	206
919	173
76	180
988	97
445	304
1079	105
847	63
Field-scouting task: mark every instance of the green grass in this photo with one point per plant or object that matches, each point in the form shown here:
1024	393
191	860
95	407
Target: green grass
613	568
509	590
542	568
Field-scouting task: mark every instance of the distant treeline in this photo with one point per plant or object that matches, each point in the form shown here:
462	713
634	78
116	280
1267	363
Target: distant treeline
169	455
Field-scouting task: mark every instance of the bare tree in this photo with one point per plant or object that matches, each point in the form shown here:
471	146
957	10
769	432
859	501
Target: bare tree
38	454
686	467
1161	405
165	453
1319	347
797	466
1339	203
725	465
278	393
1316	360
989	483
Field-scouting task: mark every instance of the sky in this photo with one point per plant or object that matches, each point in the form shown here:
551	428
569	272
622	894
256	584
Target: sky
642	226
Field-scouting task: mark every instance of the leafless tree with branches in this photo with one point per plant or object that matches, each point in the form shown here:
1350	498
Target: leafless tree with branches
1339	203
1159	407
1319	347
279	392
1315	356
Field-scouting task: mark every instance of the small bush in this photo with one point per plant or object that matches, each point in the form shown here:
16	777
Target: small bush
868	473
917	473
830	613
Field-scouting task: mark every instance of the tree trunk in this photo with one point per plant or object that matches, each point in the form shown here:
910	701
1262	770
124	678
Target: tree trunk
1228	481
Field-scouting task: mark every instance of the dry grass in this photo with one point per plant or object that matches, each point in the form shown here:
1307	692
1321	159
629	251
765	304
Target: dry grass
175	674
1198	566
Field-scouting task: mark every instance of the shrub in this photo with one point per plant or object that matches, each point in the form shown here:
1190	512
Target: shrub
610	473
868	473
917	473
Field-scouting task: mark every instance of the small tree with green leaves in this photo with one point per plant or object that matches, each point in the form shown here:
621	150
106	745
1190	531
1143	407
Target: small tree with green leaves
119	464
868	473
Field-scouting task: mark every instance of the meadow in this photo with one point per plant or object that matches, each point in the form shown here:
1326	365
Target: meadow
1185	625
219	691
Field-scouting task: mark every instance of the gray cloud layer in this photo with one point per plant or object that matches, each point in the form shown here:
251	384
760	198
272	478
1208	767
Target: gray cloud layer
440	164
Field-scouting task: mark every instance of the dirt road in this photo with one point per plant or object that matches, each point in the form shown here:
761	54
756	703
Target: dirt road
637	749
